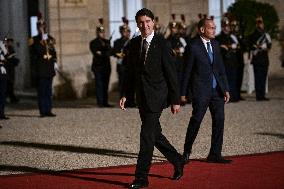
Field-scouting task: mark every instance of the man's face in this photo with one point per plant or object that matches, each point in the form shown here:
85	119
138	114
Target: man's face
101	34
145	25
226	29
260	25
126	33
209	29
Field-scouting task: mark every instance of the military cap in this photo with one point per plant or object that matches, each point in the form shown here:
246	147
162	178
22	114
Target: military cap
125	26
40	21
225	22
100	28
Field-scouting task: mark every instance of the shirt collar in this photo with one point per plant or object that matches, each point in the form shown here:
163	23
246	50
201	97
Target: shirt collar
204	41
149	38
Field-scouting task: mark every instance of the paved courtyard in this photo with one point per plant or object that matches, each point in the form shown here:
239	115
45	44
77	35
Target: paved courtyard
85	136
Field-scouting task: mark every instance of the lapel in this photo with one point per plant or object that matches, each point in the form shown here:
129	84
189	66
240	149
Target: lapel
151	50
213	50
204	52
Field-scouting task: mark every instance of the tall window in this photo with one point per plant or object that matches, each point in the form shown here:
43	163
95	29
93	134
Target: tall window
119	9
217	8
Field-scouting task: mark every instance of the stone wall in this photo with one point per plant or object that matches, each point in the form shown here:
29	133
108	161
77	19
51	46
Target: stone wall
73	24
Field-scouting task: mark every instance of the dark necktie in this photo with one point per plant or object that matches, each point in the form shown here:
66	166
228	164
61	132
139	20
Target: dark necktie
143	51
210	53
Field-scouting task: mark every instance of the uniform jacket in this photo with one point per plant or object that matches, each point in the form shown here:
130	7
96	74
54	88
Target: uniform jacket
230	57
156	83
101	61
261	57
43	67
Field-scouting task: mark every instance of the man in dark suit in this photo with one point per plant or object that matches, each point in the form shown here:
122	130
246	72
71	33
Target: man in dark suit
206	77
155	86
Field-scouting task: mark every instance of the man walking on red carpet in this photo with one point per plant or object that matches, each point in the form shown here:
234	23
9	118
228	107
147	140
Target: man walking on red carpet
206	77
155	76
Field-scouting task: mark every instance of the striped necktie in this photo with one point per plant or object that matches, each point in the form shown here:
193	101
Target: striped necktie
143	51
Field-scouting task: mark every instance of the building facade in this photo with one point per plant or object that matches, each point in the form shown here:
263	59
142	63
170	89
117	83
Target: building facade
73	24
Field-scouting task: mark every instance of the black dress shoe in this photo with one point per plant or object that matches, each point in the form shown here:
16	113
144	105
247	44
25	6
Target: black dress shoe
178	170
108	106
218	160
4	117
185	157
139	183
50	114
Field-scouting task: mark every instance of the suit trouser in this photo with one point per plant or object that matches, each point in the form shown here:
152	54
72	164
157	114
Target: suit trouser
45	95
150	136
215	102
3	87
260	74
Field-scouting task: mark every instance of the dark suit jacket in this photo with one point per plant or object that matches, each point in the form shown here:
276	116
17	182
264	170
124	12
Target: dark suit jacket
156	83
199	71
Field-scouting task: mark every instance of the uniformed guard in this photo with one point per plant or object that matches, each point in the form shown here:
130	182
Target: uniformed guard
158	27
229	44
3	80
101	50
178	45
260	44
11	64
120	48
235	30
43	58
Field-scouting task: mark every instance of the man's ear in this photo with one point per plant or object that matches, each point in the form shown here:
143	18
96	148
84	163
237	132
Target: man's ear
202	30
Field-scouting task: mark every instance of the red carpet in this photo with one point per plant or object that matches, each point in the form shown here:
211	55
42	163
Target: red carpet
261	171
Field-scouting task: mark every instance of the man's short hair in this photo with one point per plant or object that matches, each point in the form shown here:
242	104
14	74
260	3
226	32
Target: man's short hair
144	12
201	23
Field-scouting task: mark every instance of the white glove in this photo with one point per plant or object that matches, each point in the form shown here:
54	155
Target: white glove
3	48
181	50
45	36
234	46
3	70
56	68
264	46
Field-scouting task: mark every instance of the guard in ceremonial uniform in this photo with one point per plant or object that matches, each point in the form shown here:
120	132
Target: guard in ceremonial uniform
12	62
158	27
177	44
101	50
235	30
3	80
43	57
260	43
120	49
228	45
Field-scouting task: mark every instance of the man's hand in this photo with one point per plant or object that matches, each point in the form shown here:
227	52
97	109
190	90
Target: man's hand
175	109
183	100
3	70
122	103
226	97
